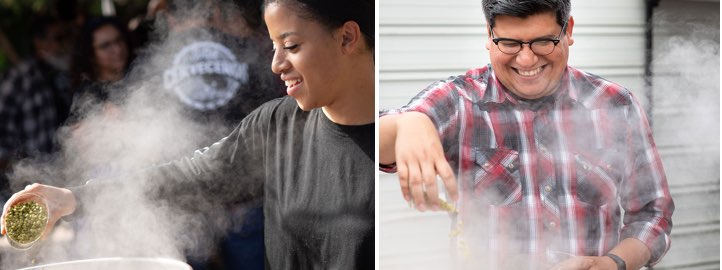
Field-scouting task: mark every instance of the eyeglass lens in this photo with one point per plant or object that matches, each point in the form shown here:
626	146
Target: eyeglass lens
540	47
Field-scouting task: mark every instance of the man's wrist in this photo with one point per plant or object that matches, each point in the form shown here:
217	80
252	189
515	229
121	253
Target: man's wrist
621	264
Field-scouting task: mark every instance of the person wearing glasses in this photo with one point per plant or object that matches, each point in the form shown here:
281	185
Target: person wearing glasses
550	166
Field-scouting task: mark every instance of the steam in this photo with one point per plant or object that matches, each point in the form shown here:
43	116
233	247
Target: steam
139	129
686	93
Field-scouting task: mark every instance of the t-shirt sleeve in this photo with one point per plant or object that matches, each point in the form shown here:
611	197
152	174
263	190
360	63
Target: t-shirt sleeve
228	171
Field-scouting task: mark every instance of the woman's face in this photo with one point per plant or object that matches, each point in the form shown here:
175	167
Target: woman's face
111	52
307	56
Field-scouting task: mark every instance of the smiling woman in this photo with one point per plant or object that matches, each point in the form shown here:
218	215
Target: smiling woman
322	57
309	156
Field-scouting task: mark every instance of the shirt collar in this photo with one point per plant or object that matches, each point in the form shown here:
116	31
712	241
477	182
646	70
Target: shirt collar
496	92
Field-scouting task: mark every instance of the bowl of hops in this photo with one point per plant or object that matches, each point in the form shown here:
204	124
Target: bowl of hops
26	220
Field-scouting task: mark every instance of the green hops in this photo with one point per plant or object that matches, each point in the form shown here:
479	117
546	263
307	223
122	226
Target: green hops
26	222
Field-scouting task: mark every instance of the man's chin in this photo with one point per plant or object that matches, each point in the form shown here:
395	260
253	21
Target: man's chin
532	92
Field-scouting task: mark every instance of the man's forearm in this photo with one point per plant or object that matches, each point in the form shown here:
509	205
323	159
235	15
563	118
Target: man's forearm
634	253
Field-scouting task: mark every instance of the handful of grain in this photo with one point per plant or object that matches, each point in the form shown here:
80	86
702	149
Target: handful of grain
25	222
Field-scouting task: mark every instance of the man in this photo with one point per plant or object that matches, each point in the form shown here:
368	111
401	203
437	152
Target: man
544	154
35	96
211	62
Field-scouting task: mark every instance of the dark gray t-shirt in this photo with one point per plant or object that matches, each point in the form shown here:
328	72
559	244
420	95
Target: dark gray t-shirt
316	179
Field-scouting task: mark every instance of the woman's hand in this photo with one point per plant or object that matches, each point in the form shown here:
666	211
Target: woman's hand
61	202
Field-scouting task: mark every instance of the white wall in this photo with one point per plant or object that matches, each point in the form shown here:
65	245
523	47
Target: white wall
686	94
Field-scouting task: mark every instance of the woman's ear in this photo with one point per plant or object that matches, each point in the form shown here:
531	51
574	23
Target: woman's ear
351	37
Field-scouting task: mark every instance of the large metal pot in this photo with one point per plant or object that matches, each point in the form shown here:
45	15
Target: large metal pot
116	264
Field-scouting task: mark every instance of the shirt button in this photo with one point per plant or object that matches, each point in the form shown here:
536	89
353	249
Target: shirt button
552	224
548	188
486	165
511	166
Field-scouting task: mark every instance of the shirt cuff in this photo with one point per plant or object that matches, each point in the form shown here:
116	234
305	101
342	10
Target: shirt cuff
652	235
387	168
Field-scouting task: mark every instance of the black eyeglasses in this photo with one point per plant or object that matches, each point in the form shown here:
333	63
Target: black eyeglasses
540	46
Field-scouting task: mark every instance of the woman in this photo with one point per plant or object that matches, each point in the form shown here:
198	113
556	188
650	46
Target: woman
309	155
102	52
101	57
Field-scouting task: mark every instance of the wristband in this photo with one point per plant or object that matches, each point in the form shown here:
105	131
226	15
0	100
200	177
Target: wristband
621	265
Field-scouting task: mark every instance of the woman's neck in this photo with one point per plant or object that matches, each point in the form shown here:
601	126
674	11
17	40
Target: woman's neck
357	106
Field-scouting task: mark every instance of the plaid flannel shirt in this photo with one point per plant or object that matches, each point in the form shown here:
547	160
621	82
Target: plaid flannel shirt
34	100
548	177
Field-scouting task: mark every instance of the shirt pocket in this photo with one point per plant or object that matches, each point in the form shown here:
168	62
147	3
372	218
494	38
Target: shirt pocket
496	179
598	174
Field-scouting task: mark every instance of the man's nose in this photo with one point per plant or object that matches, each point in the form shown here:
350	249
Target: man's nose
526	57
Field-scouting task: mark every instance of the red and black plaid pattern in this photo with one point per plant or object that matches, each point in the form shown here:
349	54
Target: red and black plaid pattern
540	177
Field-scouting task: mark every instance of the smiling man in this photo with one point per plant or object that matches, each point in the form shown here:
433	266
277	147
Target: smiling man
542	158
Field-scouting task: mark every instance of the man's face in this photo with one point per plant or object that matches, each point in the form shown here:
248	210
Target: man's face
526	74
55	47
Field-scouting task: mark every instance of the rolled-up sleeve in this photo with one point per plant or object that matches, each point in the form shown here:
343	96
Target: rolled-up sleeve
645	195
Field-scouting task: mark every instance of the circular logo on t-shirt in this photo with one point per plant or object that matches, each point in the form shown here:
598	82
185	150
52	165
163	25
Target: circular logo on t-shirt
205	75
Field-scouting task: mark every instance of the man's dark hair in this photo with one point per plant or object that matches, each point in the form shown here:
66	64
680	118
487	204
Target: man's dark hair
525	8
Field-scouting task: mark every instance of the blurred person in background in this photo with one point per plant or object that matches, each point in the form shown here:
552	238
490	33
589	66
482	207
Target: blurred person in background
209	61
35	96
308	156
141	26
100	58
211	58
230	35
189	37
553	167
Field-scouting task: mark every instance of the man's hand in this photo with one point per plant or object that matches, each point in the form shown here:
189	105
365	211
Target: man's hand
419	158
586	263
61	202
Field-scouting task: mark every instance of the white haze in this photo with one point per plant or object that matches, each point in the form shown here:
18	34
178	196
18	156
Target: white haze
686	91
144	130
